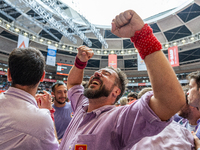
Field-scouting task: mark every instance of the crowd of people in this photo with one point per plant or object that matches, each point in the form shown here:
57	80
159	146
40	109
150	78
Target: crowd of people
83	116
4	85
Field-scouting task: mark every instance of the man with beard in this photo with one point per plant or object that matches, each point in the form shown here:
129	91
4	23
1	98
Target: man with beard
99	125
190	117
193	96
194	89
62	115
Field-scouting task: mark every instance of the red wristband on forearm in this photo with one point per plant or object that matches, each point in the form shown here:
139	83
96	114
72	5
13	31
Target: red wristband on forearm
52	113
145	41
79	64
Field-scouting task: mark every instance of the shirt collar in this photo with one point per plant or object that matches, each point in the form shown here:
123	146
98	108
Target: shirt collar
21	94
98	111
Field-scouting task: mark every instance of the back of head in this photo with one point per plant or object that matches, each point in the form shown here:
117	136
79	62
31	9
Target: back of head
143	91
123	101
26	66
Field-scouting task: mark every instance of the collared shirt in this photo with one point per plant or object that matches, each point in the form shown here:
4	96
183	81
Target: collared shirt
23	126
109	127
184	122
173	137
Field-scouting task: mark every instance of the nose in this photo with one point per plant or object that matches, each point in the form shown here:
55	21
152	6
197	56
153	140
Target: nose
98	73
63	94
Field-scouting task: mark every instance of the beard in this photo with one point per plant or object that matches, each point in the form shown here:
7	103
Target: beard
60	102
184	112
101	92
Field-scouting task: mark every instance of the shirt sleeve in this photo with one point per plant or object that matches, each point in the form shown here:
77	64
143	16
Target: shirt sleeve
75	95
43	136
138	120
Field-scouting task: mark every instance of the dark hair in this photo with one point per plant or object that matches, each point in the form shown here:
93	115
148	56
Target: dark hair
196	76
121	81
133	94
57	83
26	66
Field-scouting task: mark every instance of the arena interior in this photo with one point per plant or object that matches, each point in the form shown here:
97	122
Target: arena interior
54	23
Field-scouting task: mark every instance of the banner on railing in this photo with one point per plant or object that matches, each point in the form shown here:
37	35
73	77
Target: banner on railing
112	60
141	64
173	56
51	55
22	41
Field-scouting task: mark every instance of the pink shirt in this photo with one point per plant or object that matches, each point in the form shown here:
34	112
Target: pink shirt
109	127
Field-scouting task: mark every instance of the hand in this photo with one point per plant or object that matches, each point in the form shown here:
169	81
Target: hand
125	24
84	53
44	100
196	140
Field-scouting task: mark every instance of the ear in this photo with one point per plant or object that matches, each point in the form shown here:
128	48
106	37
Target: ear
116	91
9	78
42	78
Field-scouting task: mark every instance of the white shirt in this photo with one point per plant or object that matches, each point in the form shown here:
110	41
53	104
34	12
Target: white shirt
173	137
23	126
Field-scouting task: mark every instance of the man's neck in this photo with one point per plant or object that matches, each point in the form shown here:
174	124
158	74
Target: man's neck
59	105
28	89
193	121
99	102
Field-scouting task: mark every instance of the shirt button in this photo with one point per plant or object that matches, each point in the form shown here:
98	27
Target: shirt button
98	112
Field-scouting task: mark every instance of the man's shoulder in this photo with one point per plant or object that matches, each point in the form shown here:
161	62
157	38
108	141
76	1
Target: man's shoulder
76	88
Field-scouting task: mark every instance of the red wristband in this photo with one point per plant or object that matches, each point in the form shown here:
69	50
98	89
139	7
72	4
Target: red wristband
79	64
145	41
52	113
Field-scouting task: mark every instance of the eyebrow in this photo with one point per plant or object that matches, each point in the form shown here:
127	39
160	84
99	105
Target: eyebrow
106	71
62	90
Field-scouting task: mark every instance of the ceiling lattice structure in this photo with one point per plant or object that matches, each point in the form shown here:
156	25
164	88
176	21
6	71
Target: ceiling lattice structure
178	26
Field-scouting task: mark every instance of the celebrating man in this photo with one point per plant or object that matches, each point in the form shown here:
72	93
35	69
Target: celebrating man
97	124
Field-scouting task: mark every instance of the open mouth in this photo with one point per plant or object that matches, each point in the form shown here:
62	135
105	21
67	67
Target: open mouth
95	81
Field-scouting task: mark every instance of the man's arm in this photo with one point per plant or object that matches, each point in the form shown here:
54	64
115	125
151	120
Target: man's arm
45	101
76	74
168	95
196	141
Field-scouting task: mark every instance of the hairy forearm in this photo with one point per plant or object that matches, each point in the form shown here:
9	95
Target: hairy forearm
75	77
168	94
